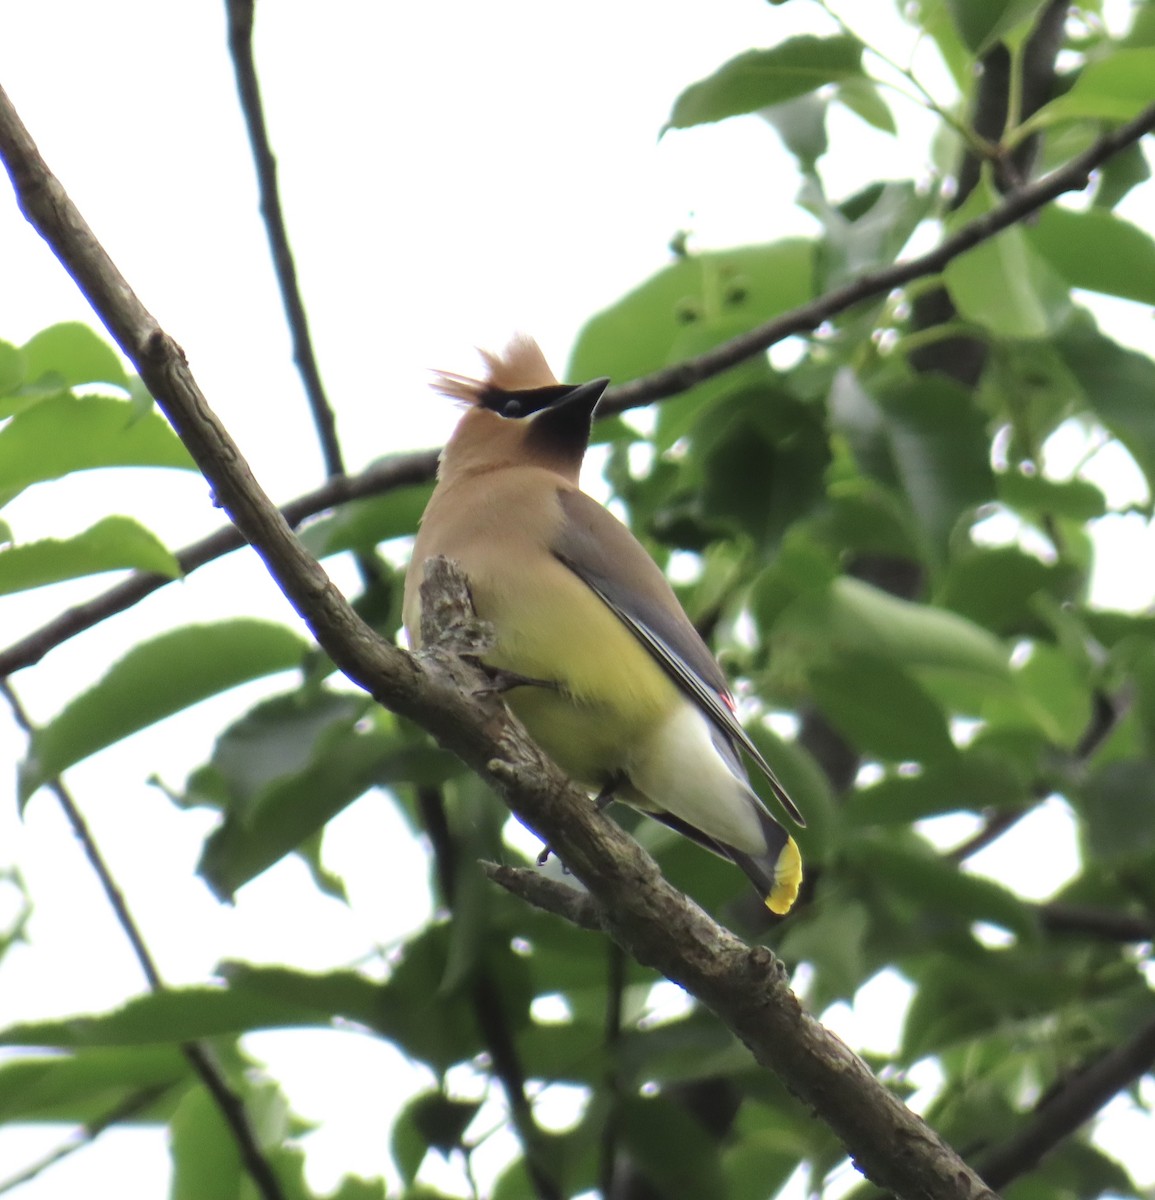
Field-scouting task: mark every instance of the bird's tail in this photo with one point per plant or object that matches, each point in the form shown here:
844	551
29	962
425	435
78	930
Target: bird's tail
776	872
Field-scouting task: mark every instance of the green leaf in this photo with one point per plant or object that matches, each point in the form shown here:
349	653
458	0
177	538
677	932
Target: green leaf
687	308
996	587
442	1121
69	433
938	884
866	231
865	101
115	543
1077	499
1114	88
362	524
1121	173
760	78
832	938
11	368
851	617
759	1162
1118	385
1096	250
954	1002
281	804
762	458
1118	805
1003	285
205	1159
981	23
881	710
437	1027
1059	691
70	354
926	437
85	1087
672	1150
801	124
970	781
178	1015
154	680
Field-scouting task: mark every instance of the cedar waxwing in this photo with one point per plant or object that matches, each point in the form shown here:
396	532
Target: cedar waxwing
620	690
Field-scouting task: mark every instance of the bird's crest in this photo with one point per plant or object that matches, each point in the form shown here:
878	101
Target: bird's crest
520	366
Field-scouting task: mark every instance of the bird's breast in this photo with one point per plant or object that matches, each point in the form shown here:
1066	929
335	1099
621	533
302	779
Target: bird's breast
549	625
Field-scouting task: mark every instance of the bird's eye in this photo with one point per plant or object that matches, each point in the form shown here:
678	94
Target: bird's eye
512	408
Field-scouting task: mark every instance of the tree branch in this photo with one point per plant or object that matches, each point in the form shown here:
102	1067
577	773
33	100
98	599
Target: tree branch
1073	176
1062	1112
1107	924
240	19
420	466
198	1056
447	695
561	899
395	471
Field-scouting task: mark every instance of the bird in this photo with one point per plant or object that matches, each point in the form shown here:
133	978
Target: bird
599	661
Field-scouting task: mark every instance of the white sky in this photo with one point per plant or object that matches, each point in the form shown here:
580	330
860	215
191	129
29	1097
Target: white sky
451	172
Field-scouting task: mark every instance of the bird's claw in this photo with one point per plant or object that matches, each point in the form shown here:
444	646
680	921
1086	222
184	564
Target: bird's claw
501	680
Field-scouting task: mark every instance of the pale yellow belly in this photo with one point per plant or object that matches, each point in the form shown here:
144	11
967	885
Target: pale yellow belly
612	695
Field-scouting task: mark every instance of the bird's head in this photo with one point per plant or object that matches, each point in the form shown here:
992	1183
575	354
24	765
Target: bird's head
518	414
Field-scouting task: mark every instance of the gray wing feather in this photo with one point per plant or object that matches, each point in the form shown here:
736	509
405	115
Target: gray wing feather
592	543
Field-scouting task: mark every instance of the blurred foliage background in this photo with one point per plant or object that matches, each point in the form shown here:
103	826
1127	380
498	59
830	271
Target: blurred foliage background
887	529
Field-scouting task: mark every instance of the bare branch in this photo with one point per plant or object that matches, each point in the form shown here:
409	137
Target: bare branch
744	986
561	899
198	1056
398	470
240	16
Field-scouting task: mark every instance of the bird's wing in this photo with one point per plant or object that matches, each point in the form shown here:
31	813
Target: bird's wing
603	553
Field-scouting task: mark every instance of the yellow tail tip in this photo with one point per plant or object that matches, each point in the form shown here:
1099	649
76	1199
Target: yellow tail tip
787	879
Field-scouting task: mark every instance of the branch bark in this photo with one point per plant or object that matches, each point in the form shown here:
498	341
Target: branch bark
395	471
444	693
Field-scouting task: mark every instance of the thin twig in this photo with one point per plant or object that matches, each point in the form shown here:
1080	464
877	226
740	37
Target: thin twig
84	1136
1106	713
561	899
199	1058
486	1003
1107	924
615	987
398	470
240	18
1062	1112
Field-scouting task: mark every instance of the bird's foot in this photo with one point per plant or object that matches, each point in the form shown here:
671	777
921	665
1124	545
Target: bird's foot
605	797
501	680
